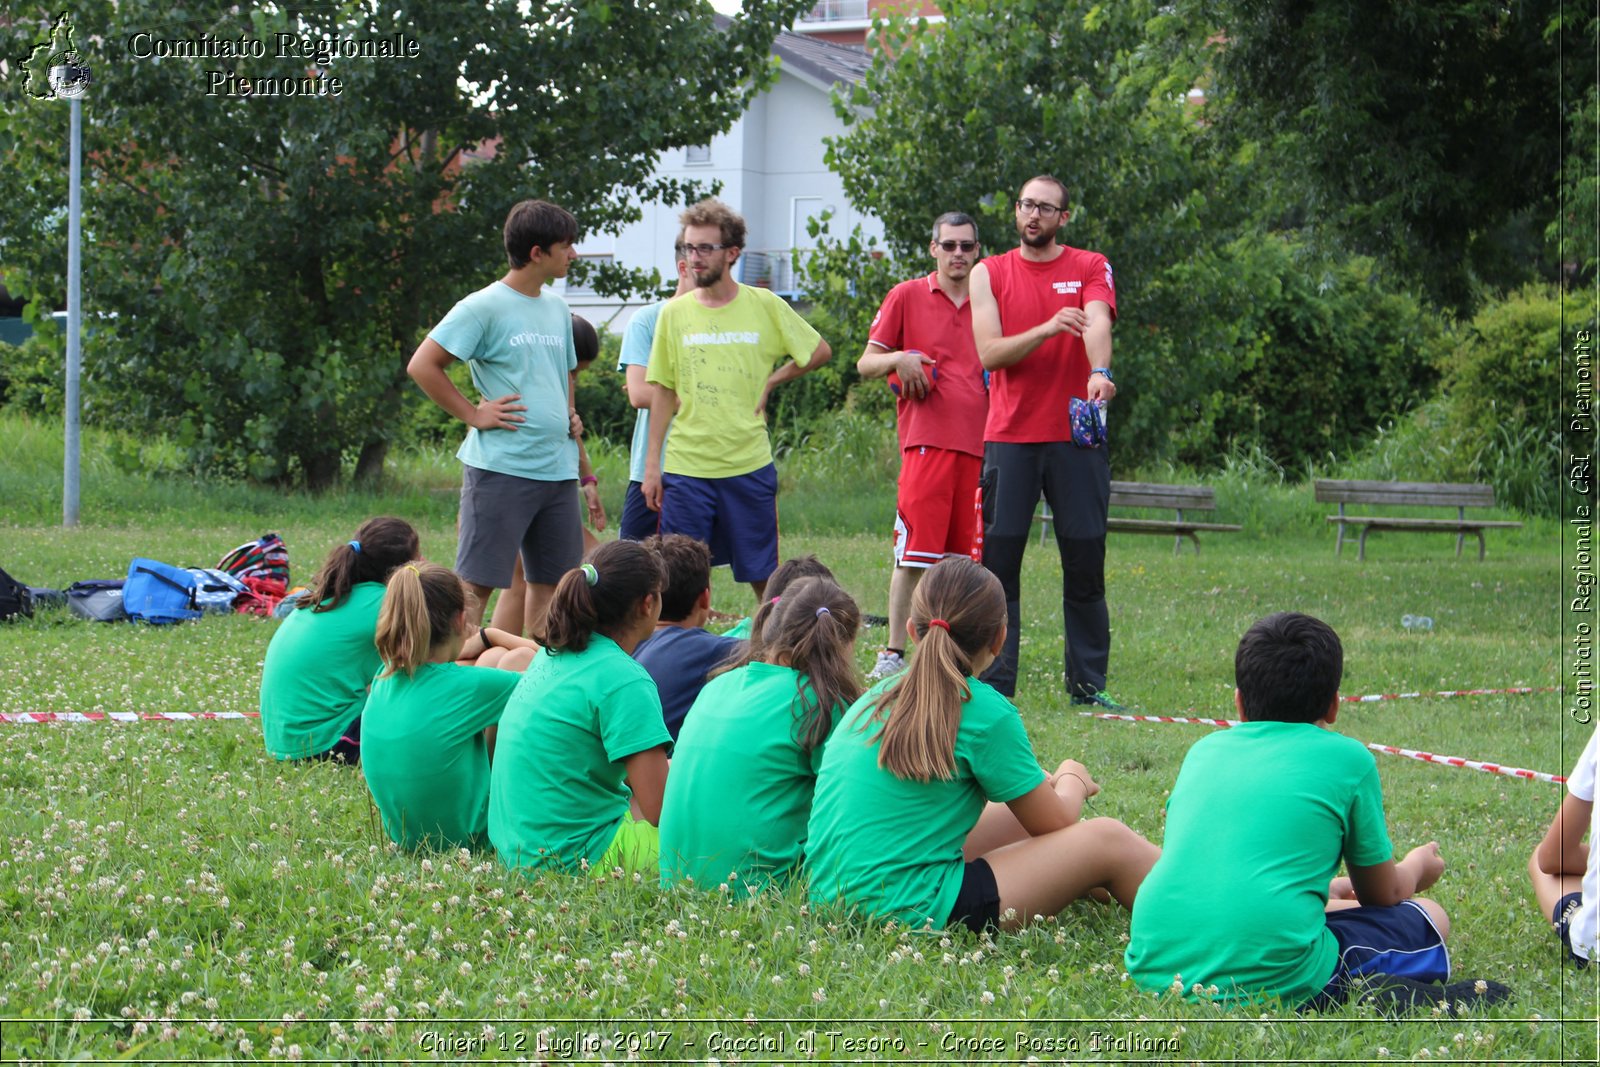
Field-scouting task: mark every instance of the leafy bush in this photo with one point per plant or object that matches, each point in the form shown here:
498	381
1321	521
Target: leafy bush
31	375
1502	379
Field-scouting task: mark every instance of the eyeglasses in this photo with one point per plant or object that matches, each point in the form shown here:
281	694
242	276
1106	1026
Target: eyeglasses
704	250
1034	207
951	246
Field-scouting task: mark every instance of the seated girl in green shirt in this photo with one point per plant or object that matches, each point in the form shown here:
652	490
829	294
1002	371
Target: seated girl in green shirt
582	734
756	733
931	808
321	660
428	730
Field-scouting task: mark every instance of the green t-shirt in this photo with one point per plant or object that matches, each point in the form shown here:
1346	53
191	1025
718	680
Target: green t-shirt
1257	823
318	666
891	847
717	360
557	792
739	794
514	343
424	755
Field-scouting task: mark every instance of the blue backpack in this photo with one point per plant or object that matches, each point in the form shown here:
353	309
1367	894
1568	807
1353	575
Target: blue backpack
159	593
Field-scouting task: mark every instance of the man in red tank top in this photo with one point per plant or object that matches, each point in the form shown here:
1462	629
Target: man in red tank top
1041	318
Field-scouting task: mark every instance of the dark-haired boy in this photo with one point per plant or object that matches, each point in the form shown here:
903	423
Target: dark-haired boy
1237	908
682	652
520	456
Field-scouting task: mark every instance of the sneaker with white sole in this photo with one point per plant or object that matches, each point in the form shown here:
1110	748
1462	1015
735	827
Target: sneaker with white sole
888	663
1101	699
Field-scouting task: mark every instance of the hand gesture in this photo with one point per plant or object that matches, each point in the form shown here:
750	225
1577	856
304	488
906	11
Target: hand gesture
651	490
500	414
913	379
1067	320
597	510
1079	771
1100	388
1427	863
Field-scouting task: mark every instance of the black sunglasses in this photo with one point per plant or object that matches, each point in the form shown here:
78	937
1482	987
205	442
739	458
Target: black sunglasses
951	246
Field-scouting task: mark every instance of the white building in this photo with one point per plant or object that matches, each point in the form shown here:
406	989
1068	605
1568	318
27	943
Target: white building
772	172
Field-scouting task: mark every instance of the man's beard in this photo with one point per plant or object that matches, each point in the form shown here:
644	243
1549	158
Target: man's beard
1043	239
709	276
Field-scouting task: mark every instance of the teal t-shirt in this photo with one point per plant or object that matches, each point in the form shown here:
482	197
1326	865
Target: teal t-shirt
424	755
636	353
557	792
517	344
891	847
739	795
1258	820
317	670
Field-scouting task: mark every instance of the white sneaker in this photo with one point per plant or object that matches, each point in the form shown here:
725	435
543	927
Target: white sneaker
888	663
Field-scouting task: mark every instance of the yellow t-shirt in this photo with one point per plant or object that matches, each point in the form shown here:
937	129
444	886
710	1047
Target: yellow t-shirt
717	360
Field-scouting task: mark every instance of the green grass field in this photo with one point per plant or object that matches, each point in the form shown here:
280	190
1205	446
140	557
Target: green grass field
168	893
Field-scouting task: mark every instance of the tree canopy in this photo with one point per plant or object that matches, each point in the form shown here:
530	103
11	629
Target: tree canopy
258	266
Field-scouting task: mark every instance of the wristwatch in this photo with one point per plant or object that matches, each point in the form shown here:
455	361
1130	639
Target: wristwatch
1103	370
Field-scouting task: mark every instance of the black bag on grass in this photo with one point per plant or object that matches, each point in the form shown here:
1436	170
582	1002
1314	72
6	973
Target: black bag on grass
15	599
98	600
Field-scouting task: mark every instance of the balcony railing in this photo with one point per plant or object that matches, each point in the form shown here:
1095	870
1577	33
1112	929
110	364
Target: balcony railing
772	268
838	11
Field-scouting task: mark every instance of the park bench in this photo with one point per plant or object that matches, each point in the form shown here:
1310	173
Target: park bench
1458	495
1179	498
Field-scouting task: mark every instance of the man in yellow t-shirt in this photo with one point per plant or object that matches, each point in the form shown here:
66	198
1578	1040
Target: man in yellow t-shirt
713	366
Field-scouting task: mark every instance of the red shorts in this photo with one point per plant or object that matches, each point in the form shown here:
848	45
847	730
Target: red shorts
937	513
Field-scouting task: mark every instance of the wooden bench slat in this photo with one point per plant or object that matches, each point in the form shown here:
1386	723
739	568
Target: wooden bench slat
1458	495
1117	522
1398	523
1154	495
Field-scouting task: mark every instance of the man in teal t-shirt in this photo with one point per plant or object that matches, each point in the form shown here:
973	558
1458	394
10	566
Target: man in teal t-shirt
520	456
712	363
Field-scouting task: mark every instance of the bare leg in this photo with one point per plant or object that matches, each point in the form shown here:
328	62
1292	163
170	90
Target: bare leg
510	610
1042	875
1550	888
997	827
539	596
760	590
902	583
505	659
481	594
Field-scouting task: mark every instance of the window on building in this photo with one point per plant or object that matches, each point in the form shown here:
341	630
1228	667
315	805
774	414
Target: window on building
697	153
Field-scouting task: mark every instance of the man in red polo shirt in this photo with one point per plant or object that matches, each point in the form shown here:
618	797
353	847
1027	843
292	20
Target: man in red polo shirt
1041	316
923	336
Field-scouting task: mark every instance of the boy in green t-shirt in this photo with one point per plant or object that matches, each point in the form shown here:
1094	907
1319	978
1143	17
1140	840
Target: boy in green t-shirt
1237	909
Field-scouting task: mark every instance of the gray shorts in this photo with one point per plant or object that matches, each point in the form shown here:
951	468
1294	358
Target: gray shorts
502	514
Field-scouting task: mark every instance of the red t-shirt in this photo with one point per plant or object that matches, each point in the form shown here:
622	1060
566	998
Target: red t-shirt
918	314
1028	400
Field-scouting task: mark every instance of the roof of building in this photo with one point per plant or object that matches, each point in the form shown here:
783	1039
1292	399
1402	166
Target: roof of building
822	60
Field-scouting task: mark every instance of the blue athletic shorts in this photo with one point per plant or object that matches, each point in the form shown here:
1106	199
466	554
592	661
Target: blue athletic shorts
638	521
1565	908
737	517
1401	941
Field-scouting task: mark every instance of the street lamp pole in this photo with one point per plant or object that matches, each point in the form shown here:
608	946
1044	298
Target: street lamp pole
69	496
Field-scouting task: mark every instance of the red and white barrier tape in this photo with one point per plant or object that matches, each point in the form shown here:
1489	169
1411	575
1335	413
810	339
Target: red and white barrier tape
1408	753
1370	697
124	716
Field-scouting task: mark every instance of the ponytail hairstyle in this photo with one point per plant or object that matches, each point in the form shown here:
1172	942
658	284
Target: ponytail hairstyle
790	570
419	612
379	546
599	596
957	611
815	627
